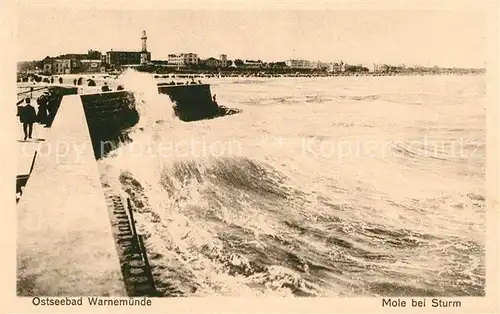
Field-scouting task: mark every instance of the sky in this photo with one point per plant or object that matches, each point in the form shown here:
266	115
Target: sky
450	37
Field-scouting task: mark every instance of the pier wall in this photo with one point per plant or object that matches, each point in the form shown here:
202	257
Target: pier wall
108	115
193	102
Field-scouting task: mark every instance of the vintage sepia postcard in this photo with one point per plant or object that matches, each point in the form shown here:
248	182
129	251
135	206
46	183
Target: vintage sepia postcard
250	156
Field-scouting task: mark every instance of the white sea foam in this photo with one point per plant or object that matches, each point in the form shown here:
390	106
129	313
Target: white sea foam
271	217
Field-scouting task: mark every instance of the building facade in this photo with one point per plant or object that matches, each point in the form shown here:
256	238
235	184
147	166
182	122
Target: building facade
212	63
63	66
300	64
145	57
380	68
126	57
69	63
91	66
251	64
336	67
215	63
321	65
183	59
223	60
60	65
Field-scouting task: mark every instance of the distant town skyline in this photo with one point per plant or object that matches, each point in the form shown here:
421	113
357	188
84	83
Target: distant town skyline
427	38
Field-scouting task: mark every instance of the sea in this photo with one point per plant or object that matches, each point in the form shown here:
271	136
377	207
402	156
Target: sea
320	187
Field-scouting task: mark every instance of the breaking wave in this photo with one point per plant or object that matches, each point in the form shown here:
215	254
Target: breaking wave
268	219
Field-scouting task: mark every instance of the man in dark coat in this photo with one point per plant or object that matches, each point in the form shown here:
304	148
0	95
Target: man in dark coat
27	116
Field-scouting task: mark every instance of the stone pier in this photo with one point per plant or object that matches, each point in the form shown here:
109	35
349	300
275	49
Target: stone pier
65	246
65	242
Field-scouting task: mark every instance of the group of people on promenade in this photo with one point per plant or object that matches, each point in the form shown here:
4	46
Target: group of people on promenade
28	115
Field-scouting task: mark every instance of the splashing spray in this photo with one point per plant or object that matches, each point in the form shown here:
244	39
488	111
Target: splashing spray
152	106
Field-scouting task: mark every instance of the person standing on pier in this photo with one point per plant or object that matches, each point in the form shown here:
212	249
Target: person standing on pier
27	116
105	87
42	107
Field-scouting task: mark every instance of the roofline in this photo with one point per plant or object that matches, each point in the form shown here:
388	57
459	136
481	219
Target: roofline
134	51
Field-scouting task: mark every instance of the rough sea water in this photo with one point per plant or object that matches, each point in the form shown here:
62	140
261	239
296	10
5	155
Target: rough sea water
340	186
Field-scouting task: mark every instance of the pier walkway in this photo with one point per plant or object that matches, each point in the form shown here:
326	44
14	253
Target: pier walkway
26	154
28	149
65	246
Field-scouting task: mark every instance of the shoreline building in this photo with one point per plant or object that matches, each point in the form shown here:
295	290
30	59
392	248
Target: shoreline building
380	68
119	58
92	66
336	67
182	59
215	63
300	64
320	65
253	64
71	63
212	63
223	60
57	66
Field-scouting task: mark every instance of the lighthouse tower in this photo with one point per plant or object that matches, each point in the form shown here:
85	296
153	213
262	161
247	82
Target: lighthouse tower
144	50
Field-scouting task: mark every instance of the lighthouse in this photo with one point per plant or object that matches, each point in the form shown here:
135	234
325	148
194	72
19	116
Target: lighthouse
144	50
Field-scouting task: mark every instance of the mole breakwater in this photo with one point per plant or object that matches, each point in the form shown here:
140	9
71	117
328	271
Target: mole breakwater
64	242
132	253
108	116
57	93
194	102
111	114
82	240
